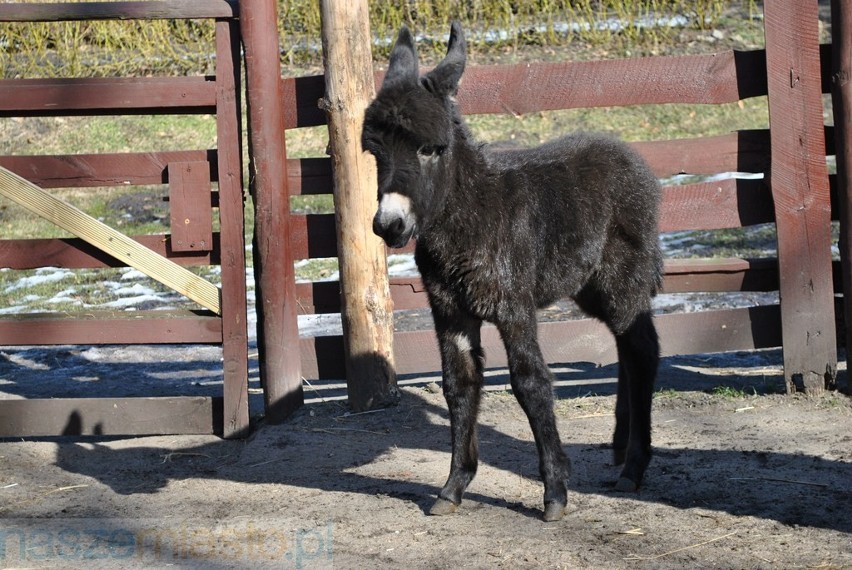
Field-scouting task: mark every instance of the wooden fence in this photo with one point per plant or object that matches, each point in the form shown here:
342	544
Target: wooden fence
793	72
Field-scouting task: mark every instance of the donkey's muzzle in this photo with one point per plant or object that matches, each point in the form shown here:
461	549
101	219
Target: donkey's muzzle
394	221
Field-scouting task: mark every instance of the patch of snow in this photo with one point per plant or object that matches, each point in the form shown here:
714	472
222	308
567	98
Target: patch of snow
402	265
320	325
692	178
41	276
21	360
129	302
137	290
131	273
138	354
13	310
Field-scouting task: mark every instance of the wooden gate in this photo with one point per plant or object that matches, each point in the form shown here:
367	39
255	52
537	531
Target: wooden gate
191	242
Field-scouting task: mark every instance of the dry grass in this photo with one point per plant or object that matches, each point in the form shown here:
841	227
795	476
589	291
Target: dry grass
177	47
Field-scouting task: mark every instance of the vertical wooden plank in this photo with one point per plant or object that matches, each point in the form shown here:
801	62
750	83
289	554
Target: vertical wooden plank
367	308
189	206
277	324
231	220
799	181
841	97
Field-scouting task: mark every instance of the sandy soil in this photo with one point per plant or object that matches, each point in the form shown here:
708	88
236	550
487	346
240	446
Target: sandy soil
742	478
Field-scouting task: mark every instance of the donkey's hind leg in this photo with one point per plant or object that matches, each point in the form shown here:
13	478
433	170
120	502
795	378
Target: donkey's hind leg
462	363
638	358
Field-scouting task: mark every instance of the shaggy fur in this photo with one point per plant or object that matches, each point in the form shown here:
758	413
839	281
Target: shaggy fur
500	234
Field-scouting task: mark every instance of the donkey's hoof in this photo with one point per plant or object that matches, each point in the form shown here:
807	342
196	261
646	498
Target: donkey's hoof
553	511
625	485
443	507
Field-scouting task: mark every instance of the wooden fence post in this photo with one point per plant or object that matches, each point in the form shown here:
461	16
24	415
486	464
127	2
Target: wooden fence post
799	182
841	86
366	304
275	287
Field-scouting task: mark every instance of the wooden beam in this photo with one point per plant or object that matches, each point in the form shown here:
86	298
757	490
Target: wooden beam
111	327
681	276
107	169
274	274
232	229
742	151
76	253
581	340
309	176
182	415
800	189
109	240
367	307
727	203
720	275
724	77
190	216
151	10
841	96
106	95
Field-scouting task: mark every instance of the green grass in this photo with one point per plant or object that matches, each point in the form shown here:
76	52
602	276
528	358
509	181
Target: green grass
632	123
316	269
125	133
667	393
729	392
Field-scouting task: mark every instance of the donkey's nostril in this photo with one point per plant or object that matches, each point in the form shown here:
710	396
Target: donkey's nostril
388	227
396	227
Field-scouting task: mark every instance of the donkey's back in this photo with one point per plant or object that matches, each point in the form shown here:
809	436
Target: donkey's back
593	207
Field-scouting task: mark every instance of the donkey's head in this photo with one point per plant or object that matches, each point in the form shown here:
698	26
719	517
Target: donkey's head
408	128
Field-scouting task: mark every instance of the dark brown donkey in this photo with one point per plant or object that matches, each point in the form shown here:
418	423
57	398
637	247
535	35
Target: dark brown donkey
501	234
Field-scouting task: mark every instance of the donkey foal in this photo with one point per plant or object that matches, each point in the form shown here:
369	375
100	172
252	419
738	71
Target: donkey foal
500	234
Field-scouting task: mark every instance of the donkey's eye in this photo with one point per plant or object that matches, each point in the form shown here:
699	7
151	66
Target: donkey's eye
430	150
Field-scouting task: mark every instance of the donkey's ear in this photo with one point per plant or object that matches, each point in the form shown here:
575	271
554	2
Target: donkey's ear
444	79
403	60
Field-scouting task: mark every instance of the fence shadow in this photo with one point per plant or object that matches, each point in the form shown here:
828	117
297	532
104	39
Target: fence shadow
320	448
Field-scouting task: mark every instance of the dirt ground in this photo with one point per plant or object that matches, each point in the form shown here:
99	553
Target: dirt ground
742	477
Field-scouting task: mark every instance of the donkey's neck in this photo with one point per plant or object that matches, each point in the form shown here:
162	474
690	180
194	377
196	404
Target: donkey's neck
470	172
462	196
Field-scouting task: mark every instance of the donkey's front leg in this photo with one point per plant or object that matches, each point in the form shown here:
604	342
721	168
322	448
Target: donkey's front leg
532	383
462	363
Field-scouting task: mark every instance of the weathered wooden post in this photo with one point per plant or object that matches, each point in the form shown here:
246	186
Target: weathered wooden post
841	85
799	182
277	326
366	305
